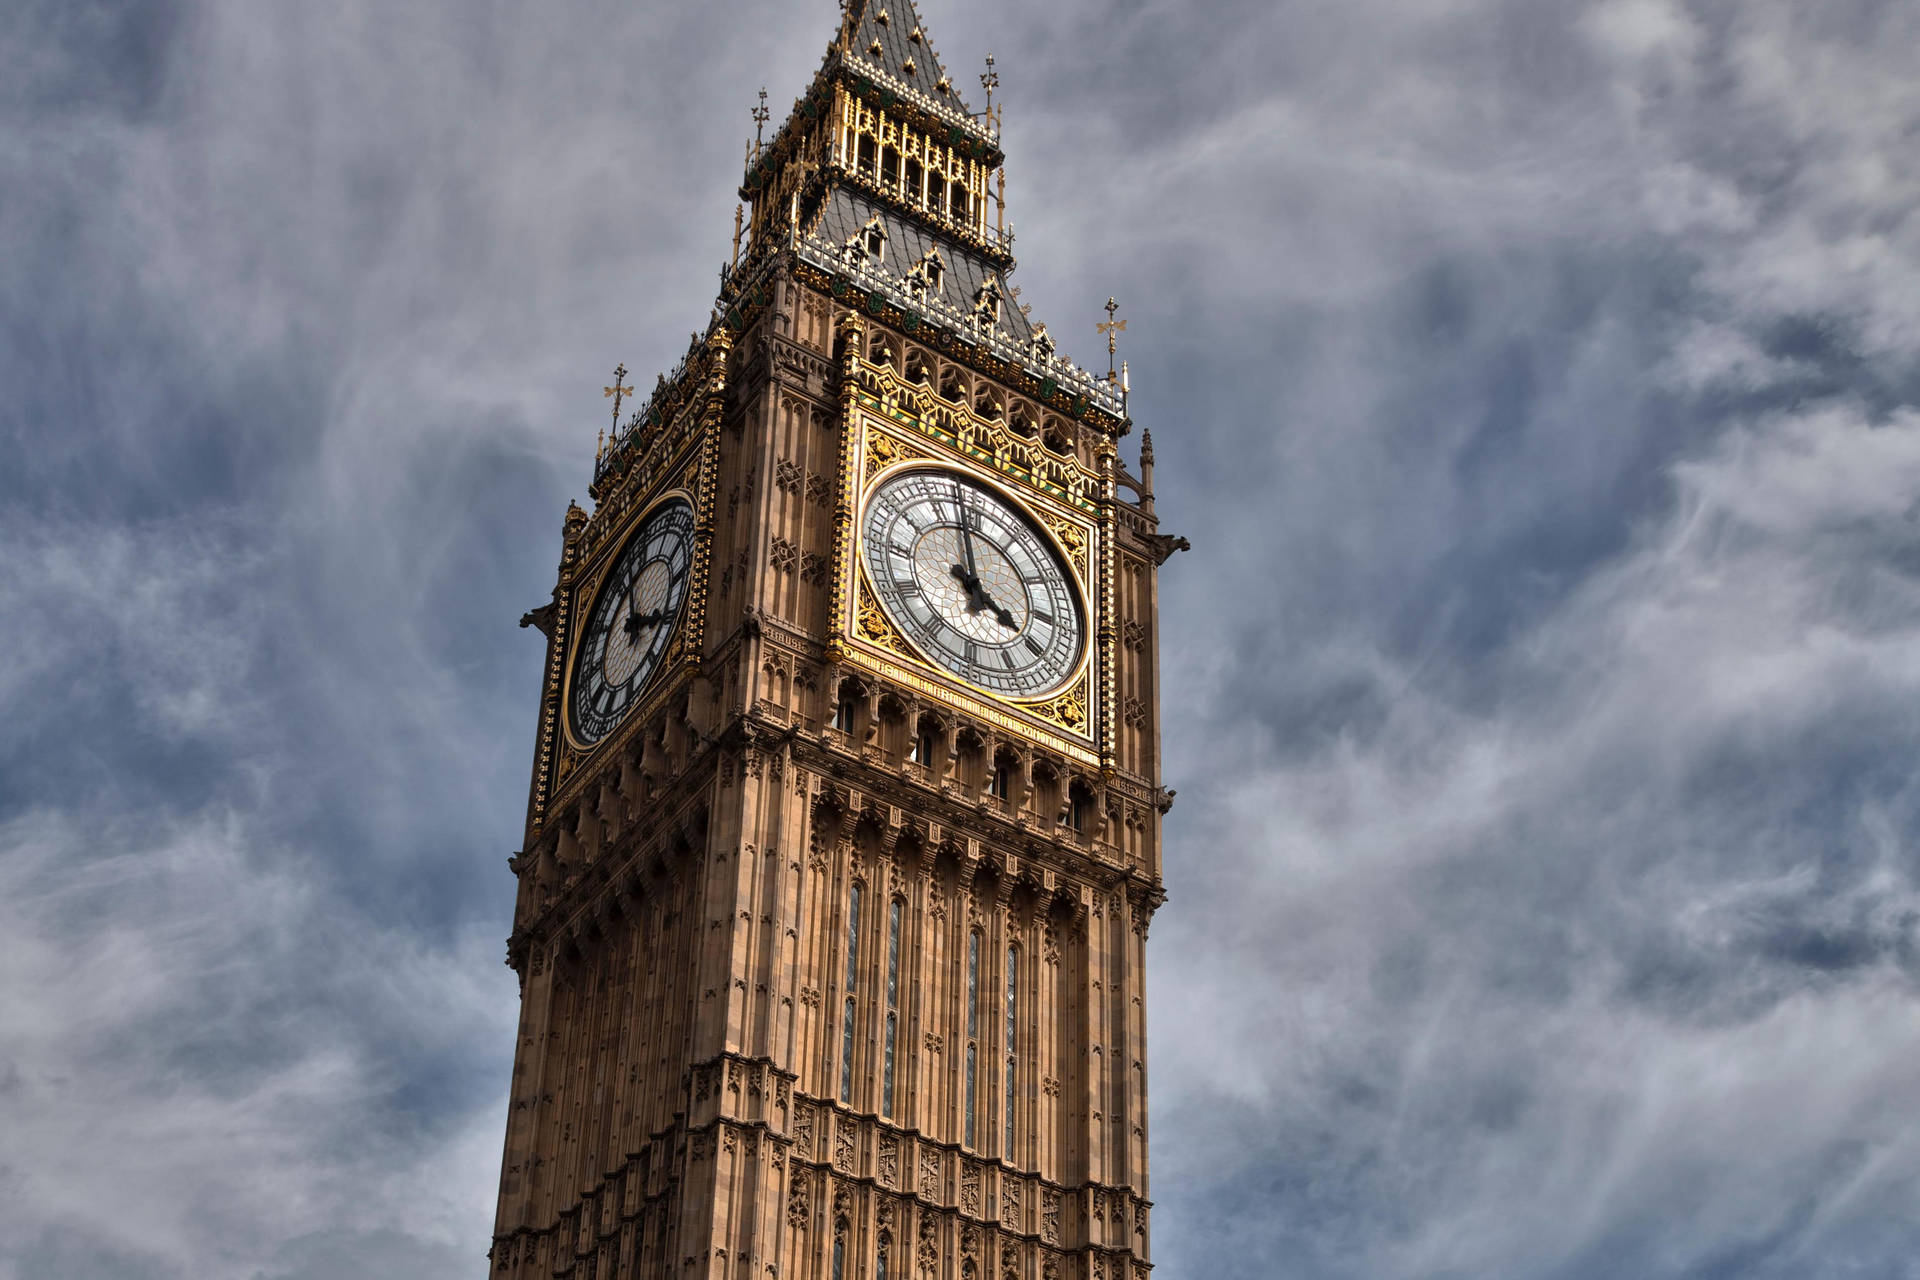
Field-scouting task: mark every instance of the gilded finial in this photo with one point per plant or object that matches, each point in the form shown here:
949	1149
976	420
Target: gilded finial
618	391
990	80
1111	328
760	117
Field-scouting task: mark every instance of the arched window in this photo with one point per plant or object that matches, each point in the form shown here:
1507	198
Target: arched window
973	1032
840	1251
880	1260
925	748
1080	807
1000	781
853	974
893	1008
1013	1042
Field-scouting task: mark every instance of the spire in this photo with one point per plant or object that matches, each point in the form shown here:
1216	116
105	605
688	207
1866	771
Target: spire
887	37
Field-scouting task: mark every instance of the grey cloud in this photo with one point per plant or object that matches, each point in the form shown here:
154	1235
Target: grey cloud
1535	382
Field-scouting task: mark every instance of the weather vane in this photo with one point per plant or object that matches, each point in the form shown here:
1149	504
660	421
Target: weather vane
760	117
1111	328
617	391
990	80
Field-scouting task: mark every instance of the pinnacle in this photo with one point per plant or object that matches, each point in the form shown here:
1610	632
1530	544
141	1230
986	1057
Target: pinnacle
888	37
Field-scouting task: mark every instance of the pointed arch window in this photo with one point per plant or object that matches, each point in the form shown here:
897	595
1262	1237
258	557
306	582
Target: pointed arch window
973	1035
927	274
853	973
926	743
986	303
1013	1042
893	1008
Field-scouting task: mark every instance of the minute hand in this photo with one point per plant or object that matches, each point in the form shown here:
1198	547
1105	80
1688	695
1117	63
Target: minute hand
966	536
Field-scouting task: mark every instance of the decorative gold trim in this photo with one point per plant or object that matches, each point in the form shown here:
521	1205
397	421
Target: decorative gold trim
1011	716
870	623
979	441
588	589
883	450
693	636
1072	538
1068	710
1066	706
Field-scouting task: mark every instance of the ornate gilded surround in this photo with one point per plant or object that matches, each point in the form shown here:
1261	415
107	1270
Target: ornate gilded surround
895	425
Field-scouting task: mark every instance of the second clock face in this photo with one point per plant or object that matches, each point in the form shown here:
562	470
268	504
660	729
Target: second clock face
632	620
966	576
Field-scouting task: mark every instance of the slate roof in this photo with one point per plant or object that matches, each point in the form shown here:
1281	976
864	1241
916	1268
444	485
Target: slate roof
846	213
898	47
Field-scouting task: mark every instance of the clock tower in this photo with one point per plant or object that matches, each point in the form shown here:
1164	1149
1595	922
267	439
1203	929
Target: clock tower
844	828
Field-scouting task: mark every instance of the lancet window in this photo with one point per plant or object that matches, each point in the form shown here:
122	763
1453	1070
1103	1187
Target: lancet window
853	975
1013	1041
973	1035
893	1009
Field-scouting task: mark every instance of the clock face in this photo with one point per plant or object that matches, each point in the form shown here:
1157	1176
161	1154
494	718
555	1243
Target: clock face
967	577
632	620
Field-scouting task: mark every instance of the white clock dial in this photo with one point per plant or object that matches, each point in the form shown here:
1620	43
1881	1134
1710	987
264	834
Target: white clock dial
972	582
632	620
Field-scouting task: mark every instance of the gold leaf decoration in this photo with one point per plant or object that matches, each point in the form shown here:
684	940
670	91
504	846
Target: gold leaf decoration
1069	710
870	623
1072	536
883	451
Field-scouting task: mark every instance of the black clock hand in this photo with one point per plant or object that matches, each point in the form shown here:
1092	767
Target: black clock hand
966	538
635	621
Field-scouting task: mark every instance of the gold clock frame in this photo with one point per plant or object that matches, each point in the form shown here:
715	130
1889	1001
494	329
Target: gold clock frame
1064	717
588	588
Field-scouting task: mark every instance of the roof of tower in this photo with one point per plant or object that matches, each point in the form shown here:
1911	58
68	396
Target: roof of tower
831	241
889	38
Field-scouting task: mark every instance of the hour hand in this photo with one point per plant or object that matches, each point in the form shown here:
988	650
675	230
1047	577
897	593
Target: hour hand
976	594
635	621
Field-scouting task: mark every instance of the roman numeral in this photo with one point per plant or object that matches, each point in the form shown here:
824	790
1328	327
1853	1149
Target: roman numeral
1034	646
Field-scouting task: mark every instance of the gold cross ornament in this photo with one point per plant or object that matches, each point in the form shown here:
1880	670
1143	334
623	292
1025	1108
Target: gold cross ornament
1111	328
617	391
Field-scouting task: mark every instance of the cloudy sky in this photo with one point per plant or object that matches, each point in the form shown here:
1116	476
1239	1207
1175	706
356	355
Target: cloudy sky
1537	380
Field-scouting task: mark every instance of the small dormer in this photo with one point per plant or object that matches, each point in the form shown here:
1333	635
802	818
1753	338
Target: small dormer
927	274
986	303
870	241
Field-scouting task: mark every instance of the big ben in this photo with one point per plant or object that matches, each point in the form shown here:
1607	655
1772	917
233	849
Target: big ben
844	827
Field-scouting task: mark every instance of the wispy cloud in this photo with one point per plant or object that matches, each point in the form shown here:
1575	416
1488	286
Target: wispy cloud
1536	382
